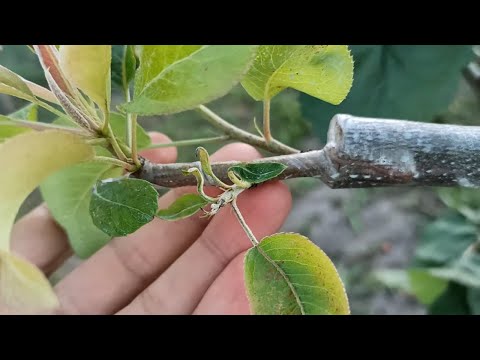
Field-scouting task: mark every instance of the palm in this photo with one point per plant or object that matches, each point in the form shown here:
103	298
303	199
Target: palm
190	266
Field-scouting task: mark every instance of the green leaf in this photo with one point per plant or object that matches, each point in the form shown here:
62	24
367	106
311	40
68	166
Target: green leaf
258	173
185	206
413	82
288	274
121	207
88	68
452	302
67	194
123	65
425	286
174	78
12	84
29	112
29	159
322	71
118	121
445	239
465	201
473	299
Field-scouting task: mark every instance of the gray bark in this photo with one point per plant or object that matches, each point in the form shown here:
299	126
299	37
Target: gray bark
366	152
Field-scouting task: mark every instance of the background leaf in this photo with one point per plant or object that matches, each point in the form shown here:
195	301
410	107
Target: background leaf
473	299
67	194
123	65
118	121
120	207
183	207
258	173
445	239
29	112
322	71
301	279
452	302
88	68
174	78
412	82
12	84
466	201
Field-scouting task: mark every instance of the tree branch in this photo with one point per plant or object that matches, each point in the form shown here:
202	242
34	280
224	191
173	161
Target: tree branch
273	146
365	152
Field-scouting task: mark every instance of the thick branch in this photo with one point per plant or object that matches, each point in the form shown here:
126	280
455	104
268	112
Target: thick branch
365	152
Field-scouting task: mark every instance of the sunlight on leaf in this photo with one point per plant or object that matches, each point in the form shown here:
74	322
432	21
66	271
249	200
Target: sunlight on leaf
29	112
12	84
23	287
88	68
29	159
8	129
298	278
322	71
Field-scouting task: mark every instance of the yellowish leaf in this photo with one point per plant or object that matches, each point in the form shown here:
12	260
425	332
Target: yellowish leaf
23	287
88	68
28	159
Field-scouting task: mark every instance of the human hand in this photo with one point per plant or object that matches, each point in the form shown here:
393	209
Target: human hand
192	266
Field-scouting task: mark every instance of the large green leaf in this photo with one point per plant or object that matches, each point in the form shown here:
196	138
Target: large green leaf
120	207
322	71
67	194
88	68
446	239
123	65
258	173
29	159
412	82
466	201
174	78
288	274
183	207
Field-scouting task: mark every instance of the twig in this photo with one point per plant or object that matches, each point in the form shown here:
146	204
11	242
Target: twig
189	142
274	146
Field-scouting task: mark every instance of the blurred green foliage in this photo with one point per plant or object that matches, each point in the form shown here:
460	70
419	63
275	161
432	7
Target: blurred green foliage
414	82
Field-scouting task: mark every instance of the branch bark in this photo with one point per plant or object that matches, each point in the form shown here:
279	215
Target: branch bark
366	152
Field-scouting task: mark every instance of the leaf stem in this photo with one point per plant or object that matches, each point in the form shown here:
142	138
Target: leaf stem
192	142
133	132
108	160
234	132
242	221
128	132
50	108
116	147
266	121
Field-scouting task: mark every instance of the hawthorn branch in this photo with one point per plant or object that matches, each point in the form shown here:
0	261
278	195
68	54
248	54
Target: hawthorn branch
366	152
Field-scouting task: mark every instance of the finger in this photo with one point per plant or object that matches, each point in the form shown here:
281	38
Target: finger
111	278
227	295
40	240
180	288
162	155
